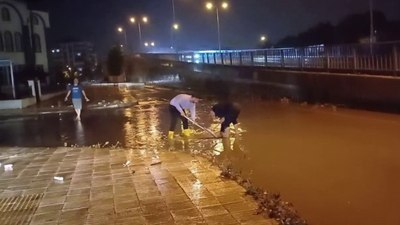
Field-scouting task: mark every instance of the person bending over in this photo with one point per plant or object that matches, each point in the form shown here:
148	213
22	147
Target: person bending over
177	107
228	112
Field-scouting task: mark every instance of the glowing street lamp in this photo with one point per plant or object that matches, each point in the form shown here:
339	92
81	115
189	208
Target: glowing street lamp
123	31
148	44
224	5
263	38
144	19
209	5
175	26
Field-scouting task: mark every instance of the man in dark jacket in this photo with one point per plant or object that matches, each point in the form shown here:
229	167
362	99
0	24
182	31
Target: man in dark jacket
228	112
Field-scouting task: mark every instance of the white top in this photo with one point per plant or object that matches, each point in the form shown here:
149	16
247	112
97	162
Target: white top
182	102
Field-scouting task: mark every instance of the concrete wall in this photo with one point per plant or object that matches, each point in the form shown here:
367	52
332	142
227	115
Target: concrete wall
353	90
23	103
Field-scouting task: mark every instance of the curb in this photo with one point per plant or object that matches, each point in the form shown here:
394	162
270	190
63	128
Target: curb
48	111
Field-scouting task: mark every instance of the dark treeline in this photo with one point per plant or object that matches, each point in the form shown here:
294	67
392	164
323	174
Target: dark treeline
354	28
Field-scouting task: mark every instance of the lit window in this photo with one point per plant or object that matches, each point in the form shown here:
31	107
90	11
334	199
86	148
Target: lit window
5	14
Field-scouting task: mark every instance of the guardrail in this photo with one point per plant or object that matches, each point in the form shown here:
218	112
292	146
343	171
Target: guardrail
378	58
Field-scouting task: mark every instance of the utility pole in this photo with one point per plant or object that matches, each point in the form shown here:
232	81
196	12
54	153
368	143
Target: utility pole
371	23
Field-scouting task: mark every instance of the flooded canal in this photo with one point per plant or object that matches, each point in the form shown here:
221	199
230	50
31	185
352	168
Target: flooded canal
336	166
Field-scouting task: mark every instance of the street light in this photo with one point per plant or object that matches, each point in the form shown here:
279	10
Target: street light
263	38
123	31
175	26
144	19
210	6
152	44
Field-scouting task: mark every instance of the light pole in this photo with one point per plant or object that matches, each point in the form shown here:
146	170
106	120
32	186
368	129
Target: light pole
144	20
210	6
123	31
371	24
174	26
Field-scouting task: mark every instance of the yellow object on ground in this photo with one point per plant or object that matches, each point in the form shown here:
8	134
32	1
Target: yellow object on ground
171	135
186	132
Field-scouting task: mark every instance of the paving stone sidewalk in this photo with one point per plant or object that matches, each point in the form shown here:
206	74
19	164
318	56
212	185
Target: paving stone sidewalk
92	186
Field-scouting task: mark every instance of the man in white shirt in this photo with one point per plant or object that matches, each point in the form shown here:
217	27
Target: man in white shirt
177	107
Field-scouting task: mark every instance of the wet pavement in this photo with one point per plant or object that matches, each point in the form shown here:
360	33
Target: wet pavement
337	166
43	186
105	97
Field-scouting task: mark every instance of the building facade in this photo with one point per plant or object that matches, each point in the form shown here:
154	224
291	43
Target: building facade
22	36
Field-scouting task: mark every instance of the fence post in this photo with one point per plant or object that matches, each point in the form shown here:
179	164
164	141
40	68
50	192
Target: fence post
396	60
222	57
301	58
252	58
282	58
230	58
240	58
266	58
327	59
355	66
215	58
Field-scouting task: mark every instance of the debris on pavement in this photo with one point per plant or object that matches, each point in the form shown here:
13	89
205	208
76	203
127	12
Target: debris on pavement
128	163
270	204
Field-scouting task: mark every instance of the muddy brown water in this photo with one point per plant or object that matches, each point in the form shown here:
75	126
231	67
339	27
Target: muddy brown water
337	166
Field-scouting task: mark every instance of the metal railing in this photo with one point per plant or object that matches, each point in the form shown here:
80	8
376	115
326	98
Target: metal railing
379	58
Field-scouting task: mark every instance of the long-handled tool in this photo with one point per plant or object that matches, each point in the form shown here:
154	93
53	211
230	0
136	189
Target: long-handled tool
201	127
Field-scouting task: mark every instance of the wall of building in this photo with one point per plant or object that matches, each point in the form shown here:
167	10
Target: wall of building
20	23
17	11
40	29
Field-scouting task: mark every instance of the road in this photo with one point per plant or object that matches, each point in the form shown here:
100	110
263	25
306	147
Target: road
338	166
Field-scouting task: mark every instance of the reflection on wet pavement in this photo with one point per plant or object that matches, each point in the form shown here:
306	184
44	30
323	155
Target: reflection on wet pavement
92	186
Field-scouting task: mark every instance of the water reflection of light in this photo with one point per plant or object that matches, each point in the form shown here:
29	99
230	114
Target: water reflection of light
128	128
197	185
197	189
221	145
80	134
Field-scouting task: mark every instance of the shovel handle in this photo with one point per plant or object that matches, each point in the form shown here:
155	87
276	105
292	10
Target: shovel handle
198	125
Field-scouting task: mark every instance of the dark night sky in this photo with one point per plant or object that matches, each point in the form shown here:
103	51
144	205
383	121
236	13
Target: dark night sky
242	24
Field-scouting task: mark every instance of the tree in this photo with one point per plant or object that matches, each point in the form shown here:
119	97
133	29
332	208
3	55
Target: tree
115	61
